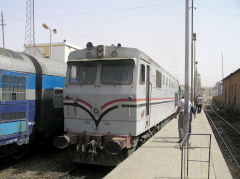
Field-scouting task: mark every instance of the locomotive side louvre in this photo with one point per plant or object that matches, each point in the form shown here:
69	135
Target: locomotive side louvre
113	96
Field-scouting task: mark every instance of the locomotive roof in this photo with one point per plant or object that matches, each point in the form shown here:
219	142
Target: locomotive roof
112	52
122	53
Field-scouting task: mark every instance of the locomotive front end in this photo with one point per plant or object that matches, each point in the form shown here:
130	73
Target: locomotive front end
100	105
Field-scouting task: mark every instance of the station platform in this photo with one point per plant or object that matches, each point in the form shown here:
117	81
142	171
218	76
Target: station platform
160	156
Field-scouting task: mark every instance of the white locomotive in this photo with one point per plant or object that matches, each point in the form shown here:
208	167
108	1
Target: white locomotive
114	98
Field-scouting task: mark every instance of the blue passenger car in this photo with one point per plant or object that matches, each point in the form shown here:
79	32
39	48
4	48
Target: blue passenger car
30	99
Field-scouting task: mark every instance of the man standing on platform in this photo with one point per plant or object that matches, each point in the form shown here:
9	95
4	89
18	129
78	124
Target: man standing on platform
180	111
199	103
195	103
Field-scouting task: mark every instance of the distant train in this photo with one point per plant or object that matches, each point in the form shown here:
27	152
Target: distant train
114	99
31	100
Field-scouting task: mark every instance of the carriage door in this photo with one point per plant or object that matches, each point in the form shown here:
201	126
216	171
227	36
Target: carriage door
148	96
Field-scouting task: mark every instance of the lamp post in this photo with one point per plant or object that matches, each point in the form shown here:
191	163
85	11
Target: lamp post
50	30
194	38
195	79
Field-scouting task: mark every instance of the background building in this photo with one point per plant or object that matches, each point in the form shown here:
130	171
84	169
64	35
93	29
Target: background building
60	50
231	92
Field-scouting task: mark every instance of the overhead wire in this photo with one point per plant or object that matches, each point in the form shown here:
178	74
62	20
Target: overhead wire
208	8
103	11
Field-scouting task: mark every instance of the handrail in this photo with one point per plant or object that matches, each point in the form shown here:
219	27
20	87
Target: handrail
183	155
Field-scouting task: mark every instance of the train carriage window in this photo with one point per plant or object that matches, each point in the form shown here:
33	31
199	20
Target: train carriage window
117	72
83	73
158	79
142	74
13	87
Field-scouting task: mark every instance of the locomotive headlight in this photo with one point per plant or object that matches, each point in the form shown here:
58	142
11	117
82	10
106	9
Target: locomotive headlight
96	110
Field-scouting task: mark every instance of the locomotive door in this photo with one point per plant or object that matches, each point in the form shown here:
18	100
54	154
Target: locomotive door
148	97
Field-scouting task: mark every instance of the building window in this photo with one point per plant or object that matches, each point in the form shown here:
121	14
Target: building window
142	74
158	79
167	81
13	88
13	116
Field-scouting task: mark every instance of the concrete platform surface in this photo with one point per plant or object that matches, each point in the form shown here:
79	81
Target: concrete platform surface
160	157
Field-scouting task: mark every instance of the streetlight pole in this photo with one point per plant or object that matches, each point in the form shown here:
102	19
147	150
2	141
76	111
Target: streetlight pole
196	76
192	58
50	30
222	65
194	37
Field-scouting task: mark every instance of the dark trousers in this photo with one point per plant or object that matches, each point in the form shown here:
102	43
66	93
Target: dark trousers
199	108
190	123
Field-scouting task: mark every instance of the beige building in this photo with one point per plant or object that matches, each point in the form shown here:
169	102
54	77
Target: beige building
60	50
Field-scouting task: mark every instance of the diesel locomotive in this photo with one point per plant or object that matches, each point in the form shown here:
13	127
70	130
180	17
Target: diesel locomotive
114	98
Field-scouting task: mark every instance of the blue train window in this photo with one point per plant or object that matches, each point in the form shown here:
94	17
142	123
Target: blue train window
13	116
13	88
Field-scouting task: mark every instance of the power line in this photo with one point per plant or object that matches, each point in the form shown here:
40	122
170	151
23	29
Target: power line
217	5
216	12
105	11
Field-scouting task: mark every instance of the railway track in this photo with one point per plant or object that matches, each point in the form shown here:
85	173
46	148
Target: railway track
227	133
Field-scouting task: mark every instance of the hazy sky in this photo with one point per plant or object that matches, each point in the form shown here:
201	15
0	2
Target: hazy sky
157	27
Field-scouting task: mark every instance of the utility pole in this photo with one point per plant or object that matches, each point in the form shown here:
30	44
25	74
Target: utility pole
222	66
2	24
195	63
186	106
192	57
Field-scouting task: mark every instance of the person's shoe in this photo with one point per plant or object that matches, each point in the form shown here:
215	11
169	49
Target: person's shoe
179	141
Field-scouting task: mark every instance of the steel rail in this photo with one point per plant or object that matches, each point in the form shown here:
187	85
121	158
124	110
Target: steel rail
234	159
225	121
68	172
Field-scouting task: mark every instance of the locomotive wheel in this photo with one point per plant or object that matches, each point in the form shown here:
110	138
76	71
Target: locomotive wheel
22	150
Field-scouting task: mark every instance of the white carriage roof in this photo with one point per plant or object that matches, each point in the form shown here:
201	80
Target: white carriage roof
16	61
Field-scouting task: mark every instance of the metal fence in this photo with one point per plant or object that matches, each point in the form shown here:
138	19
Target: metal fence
185	146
